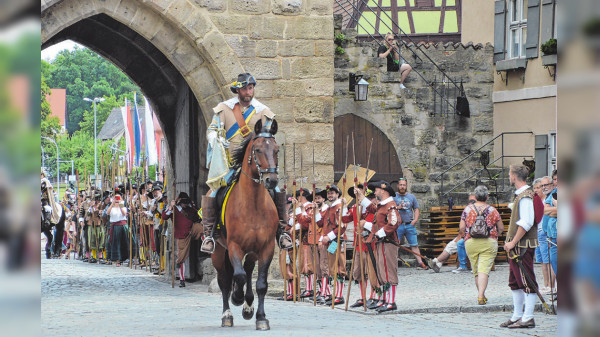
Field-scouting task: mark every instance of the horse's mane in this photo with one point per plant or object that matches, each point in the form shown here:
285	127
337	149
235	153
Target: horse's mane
239	155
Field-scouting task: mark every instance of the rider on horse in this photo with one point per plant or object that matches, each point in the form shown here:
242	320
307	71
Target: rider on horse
232	122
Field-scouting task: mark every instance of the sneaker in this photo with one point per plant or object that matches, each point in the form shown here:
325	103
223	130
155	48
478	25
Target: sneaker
181	284
372	304
402	86
460	270
435	265
306	294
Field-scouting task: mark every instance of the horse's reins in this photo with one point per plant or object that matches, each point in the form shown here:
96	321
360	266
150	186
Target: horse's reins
252	156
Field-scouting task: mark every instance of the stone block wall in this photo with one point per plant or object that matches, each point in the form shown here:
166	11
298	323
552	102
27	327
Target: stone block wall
426	144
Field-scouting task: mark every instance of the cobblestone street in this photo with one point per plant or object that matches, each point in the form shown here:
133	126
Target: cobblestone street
81	299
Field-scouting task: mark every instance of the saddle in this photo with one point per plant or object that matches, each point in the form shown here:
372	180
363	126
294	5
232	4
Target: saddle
222	198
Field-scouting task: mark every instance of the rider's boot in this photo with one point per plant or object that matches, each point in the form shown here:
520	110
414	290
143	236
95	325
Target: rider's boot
284	241
209	218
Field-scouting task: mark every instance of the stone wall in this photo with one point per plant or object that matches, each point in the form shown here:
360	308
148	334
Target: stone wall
426	145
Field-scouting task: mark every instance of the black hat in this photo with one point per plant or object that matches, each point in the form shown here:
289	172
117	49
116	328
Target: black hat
105	195
351	190
302	191
322	193
97	195
184	197
142	186
156	187
242	81
332	188
384	185
149	181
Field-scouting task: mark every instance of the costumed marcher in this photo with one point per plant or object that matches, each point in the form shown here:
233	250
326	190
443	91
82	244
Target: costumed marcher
232	122
384	229
157	208
330	216
285	258
361	256
187	227
521	239
304	216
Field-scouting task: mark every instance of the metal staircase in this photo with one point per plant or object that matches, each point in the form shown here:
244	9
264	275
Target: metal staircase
448	93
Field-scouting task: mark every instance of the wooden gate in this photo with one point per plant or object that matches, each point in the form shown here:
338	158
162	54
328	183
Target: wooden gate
384	159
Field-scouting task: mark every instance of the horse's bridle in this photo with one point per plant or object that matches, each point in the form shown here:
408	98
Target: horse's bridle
252	156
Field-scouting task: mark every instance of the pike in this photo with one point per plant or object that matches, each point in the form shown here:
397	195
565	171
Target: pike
294	278
130	217
300	228
74	237
285	294
339	231
173	244
314	226
356	223
368	244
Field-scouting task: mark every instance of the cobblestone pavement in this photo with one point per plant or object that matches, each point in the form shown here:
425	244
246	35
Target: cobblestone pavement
81	299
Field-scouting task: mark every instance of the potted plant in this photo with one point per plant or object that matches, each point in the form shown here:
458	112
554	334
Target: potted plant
549	49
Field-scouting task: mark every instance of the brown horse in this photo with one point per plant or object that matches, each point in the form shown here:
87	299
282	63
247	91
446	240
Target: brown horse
250	223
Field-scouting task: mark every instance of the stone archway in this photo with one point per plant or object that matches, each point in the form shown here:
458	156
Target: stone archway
160	50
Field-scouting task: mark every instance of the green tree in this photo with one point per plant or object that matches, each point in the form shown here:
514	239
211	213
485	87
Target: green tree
103	110
86	74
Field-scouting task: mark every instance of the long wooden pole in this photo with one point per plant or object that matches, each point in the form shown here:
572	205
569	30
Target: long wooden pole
314	229
173	243
294	278
339	231
130	217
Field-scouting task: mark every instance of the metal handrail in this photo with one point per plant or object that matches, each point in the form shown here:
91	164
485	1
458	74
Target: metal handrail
479	149
502	156
379	43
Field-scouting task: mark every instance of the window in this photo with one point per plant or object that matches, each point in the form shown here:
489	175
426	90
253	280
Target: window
552	153
517	28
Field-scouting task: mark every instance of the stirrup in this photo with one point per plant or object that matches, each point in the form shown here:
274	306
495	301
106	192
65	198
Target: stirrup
282	244
207	240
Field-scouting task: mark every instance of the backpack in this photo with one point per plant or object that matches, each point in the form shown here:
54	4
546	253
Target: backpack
479	229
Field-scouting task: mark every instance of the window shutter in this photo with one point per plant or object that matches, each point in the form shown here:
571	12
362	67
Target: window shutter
499	30
547	20
533	29
541	155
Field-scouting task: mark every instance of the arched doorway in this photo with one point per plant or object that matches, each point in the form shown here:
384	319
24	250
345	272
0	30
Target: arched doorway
384	159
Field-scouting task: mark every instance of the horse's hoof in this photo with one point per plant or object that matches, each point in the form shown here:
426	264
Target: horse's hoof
247	311
227	319
263	325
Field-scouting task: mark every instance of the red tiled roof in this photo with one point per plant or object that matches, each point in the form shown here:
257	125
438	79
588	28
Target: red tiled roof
58	104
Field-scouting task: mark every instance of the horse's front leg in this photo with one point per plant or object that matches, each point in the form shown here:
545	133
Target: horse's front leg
224	277
264	261
248	310
239	275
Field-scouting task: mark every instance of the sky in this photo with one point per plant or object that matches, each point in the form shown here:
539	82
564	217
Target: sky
49	54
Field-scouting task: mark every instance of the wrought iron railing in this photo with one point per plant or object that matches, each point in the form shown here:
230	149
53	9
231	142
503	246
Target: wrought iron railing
434	79
441	177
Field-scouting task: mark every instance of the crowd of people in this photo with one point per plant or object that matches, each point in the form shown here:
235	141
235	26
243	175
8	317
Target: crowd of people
112	226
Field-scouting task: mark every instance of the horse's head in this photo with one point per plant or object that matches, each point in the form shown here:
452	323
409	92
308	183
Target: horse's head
264	153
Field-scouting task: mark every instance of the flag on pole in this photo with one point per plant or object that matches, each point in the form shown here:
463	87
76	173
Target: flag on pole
151	150
126	122
137	132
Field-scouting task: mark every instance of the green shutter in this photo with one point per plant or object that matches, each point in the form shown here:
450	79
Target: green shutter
533	29
541	155
548	23
499	30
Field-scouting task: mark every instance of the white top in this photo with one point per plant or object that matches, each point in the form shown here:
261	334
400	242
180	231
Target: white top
116	214
526	212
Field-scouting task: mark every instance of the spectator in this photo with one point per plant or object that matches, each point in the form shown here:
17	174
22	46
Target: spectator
481	249
409	213
542	187
455	246
117	213
549	223
390	50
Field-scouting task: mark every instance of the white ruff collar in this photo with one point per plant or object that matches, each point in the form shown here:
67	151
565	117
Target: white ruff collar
335	203
386	201
258	106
